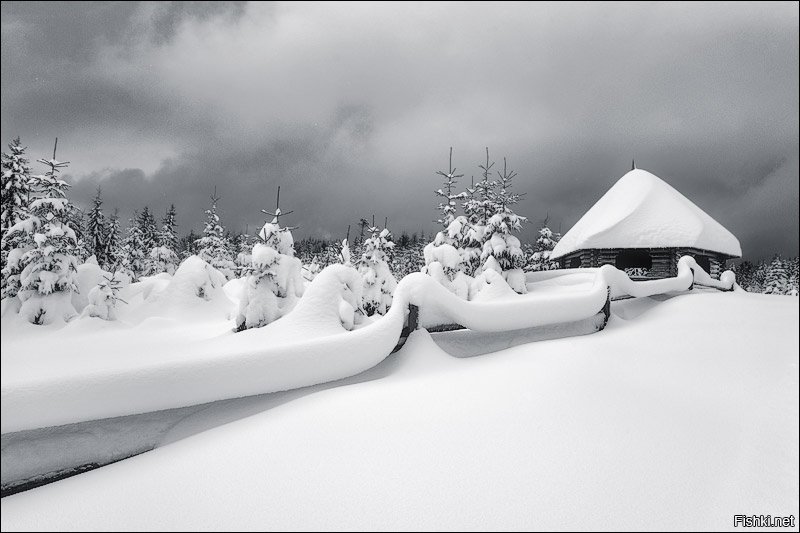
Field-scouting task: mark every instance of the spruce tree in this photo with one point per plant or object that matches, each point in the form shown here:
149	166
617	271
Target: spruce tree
163	257
274	278
479	207
112	246
776	277
501	249
15	189
132	257
149	232
187	245
244	255
792	287
449	254
168	236
212	247
47	279
76	219
97	228
538	256
379	283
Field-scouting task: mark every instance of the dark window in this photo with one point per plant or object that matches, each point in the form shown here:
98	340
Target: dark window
633	259
575	262
703	262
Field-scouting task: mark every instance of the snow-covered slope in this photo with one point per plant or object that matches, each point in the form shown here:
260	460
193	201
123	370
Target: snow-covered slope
643	211
677	416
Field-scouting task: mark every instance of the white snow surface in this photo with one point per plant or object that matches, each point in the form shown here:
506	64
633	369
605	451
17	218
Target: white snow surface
643	211
680	414
177	347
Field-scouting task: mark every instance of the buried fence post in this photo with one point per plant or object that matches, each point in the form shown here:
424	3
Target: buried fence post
412	322
413	317
606	310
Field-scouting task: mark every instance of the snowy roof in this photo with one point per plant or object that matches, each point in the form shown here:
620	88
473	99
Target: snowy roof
642	211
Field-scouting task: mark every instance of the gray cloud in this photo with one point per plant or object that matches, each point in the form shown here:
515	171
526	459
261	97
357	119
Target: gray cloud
352	108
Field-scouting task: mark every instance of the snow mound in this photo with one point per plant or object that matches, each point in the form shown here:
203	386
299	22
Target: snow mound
195	290
89	275
643	211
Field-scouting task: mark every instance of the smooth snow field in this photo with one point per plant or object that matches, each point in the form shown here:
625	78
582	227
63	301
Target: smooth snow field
680	414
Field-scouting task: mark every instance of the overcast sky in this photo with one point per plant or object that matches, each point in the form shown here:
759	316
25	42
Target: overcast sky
351	108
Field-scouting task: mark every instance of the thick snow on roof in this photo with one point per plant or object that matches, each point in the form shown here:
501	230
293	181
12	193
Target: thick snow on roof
642	211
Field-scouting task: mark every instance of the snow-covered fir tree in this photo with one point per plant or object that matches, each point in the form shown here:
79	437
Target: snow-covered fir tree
776	277
274	279
112	246
449	197
244	253
148	229
502	251
96	230
132	257
538	256
187	245
15	188
47	279
16	191
379	283
76	219
792	287
103	298
449	256
212	247
408	256
163	257
168	235
479	207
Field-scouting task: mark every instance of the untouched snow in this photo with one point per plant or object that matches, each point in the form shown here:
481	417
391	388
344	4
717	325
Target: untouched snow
642	211
677	416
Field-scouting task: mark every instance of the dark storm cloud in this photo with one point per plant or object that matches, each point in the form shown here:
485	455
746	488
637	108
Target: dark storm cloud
351	107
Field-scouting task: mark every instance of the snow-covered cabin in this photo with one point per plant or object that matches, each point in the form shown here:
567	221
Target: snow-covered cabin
644	223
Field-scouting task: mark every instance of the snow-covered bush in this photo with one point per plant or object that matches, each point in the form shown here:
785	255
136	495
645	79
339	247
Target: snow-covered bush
538	255
344	253
379	283
103	298
311	270
637	272
274	279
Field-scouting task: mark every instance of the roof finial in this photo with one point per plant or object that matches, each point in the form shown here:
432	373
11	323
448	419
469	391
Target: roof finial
633	164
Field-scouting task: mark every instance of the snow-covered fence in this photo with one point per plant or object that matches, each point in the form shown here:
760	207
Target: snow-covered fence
311	346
